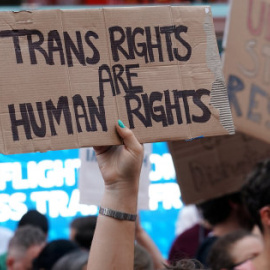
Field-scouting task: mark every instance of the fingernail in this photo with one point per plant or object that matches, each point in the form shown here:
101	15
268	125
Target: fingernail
121	124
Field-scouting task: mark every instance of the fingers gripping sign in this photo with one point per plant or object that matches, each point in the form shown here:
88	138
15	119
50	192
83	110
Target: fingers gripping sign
121	165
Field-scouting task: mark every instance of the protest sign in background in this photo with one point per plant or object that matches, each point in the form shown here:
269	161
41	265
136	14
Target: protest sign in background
211	167
91	184
247	66
75	72
216	166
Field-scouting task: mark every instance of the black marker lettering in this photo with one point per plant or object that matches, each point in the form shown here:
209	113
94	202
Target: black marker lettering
130	42
135	111
96	57
118	71
34	46
170	107
143	52
71	47
55	113
197	99
179	29
39	131
168	30
152	46
131	88
24	121
97	112
54	37
102	80
156	96
78	104
116	44
185	94
146	105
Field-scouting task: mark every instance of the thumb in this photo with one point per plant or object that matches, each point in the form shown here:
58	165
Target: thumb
128	137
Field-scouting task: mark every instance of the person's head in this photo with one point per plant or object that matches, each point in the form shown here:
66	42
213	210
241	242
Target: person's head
24	246
76	260
52	252
233	249
34	218
82	230
185	264
256	195
230	206
142	259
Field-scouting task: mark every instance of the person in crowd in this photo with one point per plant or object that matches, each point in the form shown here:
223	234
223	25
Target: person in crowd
187	218
145	241
142	259
185	264
82	231
76	260
225	214
113	243
256	194
233	249
191	230
187	243
52	252
34	218
5	236
24	246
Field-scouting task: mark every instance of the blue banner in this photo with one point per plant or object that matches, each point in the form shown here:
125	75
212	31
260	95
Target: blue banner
48	182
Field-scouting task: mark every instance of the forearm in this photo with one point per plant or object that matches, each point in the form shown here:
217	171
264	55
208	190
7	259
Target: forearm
113	243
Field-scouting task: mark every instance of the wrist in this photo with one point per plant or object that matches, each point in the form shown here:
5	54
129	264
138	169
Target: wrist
117	214
123	188
120	198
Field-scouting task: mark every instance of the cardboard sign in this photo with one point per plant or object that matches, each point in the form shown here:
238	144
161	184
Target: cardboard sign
91	184
211	167
68	76
247	66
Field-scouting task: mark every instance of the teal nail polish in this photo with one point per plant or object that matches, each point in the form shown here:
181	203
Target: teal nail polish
121	124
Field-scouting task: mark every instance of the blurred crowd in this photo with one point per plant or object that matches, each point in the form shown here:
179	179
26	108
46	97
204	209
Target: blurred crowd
231	232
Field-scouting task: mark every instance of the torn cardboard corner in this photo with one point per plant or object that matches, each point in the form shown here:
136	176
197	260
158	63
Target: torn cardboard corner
247	66
68	76
211	167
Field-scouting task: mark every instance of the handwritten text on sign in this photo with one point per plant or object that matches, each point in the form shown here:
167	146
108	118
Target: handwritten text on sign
249	80
86	109
80	71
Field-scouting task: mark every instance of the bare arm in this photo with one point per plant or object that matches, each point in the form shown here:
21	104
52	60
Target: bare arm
113	243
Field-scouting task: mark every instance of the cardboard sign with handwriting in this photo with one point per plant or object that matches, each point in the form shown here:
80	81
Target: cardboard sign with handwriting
91	184
211	167
247	66
68	76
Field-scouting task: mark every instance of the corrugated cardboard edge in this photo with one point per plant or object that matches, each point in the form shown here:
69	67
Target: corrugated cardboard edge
219	90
